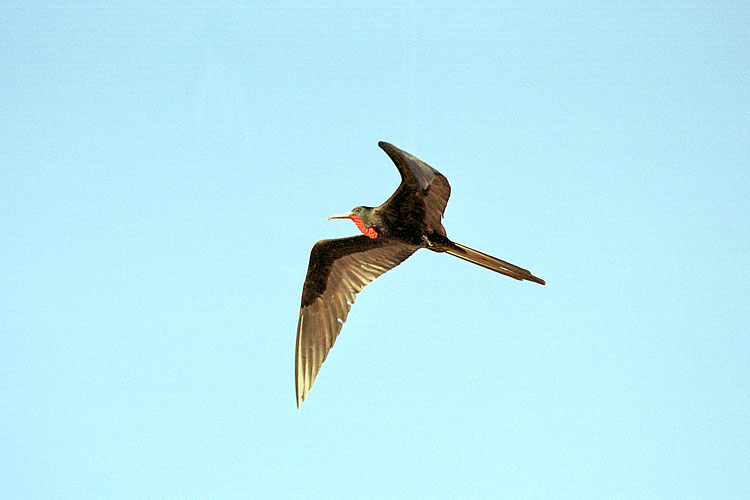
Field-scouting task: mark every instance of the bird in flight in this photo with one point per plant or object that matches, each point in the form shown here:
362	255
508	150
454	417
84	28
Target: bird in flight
340	268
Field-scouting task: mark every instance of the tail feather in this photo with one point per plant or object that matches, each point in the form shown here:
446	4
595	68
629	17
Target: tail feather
493	264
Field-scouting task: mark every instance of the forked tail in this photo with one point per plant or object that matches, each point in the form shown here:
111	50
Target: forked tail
493	264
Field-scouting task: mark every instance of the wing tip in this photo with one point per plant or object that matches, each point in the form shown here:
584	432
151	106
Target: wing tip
390	149
301	393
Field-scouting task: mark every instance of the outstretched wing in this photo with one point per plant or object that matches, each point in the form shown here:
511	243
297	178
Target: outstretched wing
338	270
420	185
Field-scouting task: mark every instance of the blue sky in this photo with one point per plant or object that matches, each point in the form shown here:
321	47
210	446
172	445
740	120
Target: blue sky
166	169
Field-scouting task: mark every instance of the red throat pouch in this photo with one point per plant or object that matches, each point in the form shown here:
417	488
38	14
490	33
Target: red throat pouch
367	231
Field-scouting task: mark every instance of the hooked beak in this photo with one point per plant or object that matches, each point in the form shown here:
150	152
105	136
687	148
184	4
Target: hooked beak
347	215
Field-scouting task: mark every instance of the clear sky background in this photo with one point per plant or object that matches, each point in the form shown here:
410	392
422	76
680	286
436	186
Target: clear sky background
166	168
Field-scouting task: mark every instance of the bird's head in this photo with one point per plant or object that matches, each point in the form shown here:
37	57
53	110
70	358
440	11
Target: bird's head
363	217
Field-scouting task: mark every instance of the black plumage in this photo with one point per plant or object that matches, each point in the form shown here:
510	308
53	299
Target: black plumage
339	268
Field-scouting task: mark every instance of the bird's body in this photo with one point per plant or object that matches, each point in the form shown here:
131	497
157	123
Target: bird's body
409	220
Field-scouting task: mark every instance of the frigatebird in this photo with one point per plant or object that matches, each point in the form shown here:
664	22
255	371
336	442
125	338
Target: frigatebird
340	268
